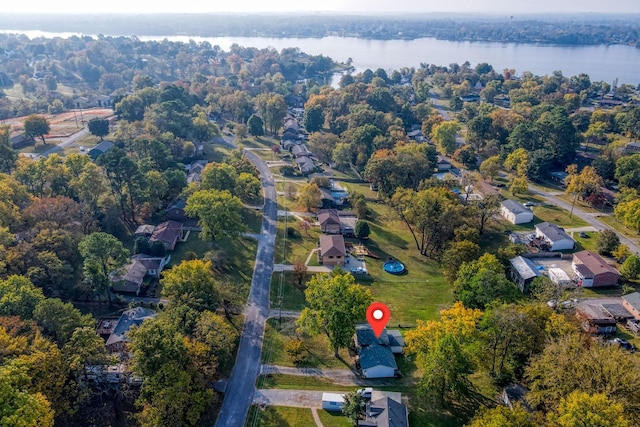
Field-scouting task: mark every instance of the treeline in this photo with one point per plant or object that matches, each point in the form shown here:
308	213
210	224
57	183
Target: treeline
558	30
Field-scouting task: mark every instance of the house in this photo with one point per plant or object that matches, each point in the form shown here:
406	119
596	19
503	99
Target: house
194	170
633	147
348	221
443	164
617	311
326	200
514	394
116	343
515	212
131	277
287	144
558	177
385	412
176	212
375	355
169	233
300	151
332	250
416	135
523	271
100	149
555	237
305	165
21	140
595	321
592	271
632	303
329	221
472	97
332	401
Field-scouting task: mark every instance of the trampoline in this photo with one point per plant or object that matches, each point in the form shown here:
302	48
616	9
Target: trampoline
393	267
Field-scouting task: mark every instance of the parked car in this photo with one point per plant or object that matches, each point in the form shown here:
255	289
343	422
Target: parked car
583	235
365	392
623	343
529	204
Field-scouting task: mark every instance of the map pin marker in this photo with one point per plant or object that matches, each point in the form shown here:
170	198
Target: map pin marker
378	316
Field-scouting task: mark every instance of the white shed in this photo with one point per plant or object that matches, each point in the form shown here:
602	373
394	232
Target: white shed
559	276
555	236
515	212
332	401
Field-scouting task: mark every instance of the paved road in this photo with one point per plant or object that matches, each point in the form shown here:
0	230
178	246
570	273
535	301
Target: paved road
240	388
586	216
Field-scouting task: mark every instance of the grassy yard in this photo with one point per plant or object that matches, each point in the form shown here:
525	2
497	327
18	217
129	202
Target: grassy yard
279	416
298	382
318	354
333	419
586	243
612	222
253	219
292	294
556	215
299	243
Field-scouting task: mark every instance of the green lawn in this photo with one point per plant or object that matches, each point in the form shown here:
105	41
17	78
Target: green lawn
292	294
586	243
333	419
253	219
299	243
279	416
612	222
298	382
318	354
556	215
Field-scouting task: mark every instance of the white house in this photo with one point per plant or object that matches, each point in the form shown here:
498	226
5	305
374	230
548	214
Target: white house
375	354
332	401
555	237
515	212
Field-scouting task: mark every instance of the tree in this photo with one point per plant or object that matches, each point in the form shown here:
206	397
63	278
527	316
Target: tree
191	283
456	254
341	155
203	129
8	155
628	171
36	126
322	145
631	267
629	213
19	407
483	281
362	230
247	187
241	131
621	253
59	319
582	184
85	348
99	127
218	212
310	196
444	134
255	125
489	167
503	416
589	410
484	210
608	241
354	406
19	297
313	119
219	176
300	272
335	304
219	335
102	253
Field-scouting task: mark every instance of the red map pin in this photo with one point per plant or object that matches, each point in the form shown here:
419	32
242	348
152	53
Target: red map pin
378	316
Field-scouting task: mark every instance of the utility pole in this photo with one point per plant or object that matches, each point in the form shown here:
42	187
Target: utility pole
284	251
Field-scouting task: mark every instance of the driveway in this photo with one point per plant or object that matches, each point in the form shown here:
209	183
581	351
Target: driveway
240	387
295	398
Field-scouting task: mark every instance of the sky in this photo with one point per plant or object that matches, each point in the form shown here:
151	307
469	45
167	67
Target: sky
342	6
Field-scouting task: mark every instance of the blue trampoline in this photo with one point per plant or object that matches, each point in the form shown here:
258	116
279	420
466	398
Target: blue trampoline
394	267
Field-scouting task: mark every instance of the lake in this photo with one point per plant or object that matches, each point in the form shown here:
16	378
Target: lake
600	62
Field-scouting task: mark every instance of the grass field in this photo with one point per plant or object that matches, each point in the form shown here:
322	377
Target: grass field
333	419
279	416
298	382
292	294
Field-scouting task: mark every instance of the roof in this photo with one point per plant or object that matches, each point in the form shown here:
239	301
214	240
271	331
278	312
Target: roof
332	397
633	300
328	216
552	232
132	278
167	231
395	338
515	207
145	229
332	245
442	161
594	262
386	412
129	318
525	267
376	355
150	262
365	336
103	147
617	311
515	392
593	313
178	204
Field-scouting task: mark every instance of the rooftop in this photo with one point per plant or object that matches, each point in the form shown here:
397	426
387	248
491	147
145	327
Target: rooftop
332	245
386	412
552	231
525	267
167	231
594	262
129	318
633	300
514	206
328	216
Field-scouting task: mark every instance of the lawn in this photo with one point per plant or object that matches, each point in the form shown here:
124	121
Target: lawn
612	222
586	243
333	419
292	294
252	219
297	244
557	215
299	382
279	416
318	354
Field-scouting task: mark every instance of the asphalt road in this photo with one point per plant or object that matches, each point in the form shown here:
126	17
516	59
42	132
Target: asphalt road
240	387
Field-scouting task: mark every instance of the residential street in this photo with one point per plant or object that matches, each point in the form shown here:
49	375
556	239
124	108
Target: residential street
240	388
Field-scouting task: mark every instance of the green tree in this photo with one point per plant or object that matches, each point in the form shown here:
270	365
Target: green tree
629	213
59	319
102	253
628	171
354	407
18	407
362	230
99	127
203	129
580	409
607	242
218	212
582	184
483	281
241	131
309	196
444	134
19	297
247	187
323	144
191	283
490	167
85	348
219	335
342	156
631	267
130	108
219	176
503	416
457	254
36	126
8	155
255	125
335	304
313	118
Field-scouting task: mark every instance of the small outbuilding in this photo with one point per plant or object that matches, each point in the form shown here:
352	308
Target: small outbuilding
554	236
100	149
632	303
523	271
515	212
332	401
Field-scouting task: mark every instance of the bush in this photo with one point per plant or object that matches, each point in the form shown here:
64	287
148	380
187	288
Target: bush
608	242
295	350
292	232
631	267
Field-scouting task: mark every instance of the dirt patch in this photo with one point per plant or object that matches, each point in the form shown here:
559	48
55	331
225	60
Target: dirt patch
64	124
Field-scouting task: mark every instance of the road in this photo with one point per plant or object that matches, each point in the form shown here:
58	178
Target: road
585	216
445	115
241	386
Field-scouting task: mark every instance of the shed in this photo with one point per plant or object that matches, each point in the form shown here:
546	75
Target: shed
332	401
593	271
559	276
554	236
100	149
515	212
523	271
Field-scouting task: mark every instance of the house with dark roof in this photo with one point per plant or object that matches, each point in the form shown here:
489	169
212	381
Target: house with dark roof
169	233
634	147
130	278
514	394
329	221
117	341
300	151
385	412
375	354
523	271
554	236
176	212
632	303
305	165
332	250
594	320
443	164
515	212
593	271
144	230
21	140
100	149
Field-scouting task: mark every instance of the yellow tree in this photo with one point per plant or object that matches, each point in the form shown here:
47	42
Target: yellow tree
309	196
581	409
585	183
518	162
